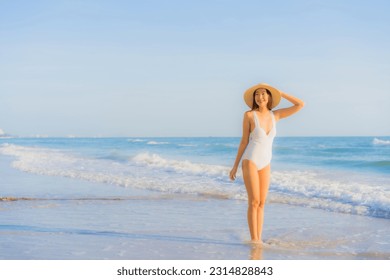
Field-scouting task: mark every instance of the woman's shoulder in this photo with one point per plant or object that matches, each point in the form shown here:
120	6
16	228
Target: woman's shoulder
248	115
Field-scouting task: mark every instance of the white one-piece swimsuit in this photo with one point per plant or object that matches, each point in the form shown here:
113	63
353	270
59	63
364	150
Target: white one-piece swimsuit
259	149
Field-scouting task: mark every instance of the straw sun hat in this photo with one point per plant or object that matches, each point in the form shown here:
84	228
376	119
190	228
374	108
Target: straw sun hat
248	95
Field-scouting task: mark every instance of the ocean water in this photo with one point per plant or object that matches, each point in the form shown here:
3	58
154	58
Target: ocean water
337	174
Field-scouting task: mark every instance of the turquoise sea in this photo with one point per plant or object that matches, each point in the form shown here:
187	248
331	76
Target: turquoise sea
338	174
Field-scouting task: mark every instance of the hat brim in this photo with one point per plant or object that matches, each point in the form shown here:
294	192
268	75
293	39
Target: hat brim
248	95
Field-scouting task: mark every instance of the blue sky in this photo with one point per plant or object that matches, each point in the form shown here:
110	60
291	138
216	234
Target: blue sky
179	68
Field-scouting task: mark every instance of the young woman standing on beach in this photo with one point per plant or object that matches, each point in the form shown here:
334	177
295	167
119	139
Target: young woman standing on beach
259	130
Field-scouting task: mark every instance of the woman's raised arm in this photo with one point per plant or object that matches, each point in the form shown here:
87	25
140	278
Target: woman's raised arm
286	112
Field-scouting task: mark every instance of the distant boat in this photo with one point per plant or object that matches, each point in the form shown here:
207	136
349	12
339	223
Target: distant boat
4	135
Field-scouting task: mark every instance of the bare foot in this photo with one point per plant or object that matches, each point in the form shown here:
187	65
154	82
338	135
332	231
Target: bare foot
257	243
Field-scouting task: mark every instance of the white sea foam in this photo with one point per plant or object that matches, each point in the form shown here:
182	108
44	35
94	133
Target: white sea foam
187	145
154	172
56	163
338	194
157	143
136	140
186	167
377	141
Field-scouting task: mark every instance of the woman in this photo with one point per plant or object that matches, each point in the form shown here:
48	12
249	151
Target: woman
259	130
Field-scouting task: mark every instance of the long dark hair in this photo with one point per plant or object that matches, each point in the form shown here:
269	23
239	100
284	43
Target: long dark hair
269	104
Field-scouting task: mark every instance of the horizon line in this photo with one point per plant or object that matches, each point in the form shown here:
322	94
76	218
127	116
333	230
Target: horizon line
78	137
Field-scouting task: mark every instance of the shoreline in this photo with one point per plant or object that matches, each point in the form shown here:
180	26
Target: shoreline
120	230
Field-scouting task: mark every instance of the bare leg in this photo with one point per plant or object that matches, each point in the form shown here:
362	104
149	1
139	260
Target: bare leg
264	180
251	180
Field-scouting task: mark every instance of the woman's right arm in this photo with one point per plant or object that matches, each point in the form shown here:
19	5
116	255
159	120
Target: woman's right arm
242	146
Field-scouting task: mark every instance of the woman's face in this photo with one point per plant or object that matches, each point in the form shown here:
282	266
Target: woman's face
261	96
